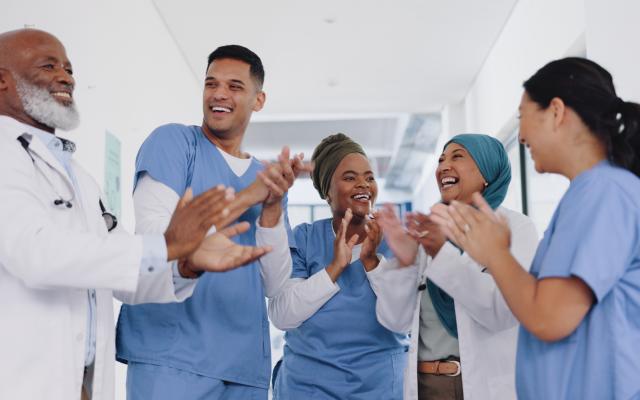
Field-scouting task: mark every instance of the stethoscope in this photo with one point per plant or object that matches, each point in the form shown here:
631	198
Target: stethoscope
110	220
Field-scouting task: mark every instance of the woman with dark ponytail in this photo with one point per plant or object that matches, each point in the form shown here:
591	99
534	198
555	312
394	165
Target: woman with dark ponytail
588	90
579	307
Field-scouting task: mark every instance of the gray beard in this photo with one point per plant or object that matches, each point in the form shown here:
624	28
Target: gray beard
40	105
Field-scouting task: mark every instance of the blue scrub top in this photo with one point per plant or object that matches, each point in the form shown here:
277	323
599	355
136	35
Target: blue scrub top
342	351
594	235
222	331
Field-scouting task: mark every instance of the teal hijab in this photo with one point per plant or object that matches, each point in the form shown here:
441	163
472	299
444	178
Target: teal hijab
492	161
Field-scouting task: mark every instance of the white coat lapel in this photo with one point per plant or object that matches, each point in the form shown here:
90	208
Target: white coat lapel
37	147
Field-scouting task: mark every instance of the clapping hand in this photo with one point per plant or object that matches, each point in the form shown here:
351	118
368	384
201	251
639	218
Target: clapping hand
426	232
403	246
279	176
368	254
342	248
481	232
218	253
193	217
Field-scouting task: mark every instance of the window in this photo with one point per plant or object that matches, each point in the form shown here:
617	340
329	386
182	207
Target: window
513	200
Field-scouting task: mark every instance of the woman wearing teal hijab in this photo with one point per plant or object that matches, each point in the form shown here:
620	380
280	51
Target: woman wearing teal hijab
463	334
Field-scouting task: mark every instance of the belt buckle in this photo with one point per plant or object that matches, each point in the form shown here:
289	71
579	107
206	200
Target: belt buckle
457	363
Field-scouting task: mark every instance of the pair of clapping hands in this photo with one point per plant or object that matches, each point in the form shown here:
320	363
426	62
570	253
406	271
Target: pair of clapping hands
186	236
478	230
403	240
343	246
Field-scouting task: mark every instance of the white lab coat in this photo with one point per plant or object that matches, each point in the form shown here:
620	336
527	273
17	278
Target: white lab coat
49	257
487	330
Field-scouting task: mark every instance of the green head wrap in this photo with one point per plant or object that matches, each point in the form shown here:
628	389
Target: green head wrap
326	158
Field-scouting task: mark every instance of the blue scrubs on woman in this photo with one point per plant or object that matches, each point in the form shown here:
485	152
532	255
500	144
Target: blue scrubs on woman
342	351
221	333
594	235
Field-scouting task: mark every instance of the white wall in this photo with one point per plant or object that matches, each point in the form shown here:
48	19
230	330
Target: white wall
612	32
537	32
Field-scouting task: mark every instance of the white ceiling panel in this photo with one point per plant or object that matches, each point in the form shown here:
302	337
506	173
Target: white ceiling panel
340	56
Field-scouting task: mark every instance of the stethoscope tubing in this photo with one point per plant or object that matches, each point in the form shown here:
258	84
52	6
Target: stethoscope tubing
110	220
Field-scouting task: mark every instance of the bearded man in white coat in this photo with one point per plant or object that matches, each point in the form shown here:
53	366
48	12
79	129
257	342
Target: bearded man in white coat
59	265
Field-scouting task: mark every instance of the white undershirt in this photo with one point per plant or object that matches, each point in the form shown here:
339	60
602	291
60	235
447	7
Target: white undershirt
238	165
154	203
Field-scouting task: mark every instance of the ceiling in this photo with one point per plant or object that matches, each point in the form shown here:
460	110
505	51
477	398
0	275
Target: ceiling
370	69
363	68
347	56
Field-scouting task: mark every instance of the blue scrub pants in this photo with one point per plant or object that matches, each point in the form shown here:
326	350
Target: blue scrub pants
147	381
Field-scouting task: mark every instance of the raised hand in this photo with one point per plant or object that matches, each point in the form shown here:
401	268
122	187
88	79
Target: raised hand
193	217
481	233
403	246
372	240
277	178
426	232
342	248
218	253
299	165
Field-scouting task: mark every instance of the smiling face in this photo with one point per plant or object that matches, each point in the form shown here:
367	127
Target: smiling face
37	81
458	175
537	132
230	96
352	186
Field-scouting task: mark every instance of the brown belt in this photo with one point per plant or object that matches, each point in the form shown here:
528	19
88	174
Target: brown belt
448	368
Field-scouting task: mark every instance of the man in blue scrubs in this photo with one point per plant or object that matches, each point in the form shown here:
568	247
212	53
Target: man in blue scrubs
215	345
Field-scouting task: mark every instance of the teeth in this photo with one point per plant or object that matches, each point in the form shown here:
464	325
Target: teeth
448	180
62	94
221	109
361	197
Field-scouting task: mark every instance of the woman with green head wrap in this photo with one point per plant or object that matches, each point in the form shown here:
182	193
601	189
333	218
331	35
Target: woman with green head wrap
335	347
463	344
